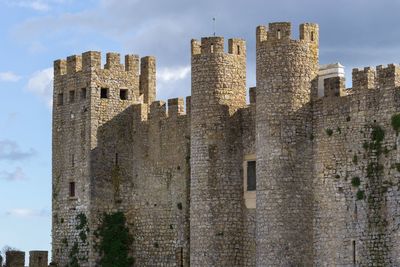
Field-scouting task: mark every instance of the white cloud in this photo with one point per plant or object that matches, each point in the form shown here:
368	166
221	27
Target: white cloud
16	175
172	81
41	84
38	5
28	213
9	76
173	74
10	150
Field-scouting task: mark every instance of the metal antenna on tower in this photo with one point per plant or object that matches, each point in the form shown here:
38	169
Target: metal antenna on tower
214	26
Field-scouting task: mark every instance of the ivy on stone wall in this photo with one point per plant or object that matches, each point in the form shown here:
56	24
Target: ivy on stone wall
82	226
396	123
377	223
115	241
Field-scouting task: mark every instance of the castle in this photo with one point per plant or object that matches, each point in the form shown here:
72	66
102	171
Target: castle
307	174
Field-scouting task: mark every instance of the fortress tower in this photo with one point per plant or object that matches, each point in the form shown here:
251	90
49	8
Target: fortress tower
87	96
286	82
218	91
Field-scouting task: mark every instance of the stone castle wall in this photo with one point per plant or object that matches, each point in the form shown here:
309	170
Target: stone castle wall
328	167
357	223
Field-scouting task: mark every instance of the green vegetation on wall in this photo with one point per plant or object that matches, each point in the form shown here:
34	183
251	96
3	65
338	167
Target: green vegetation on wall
396	123
115	241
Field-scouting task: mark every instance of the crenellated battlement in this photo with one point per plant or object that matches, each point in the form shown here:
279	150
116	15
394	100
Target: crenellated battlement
91	61
215	45
376	78
388	76
363	78
282	31
159	110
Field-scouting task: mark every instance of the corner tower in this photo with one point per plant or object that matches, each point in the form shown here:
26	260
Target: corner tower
218	91
86	97
286	82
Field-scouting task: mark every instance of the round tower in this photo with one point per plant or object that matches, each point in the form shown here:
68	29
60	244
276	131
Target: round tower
286	82
218	91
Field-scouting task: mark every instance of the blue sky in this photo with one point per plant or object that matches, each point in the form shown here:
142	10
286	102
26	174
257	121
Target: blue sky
33	33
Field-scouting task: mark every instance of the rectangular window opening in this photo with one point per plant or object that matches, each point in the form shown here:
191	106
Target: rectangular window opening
238	49
104	93
72	189
116	159
251	176
123	94
279	34
83	93
71	96
354	252
73	160
60	99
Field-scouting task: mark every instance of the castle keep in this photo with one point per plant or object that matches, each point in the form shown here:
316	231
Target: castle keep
306	174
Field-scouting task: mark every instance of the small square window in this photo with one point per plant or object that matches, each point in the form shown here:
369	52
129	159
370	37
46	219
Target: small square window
60	99
72	189
71	96
104	93
123	94
83	93
251	176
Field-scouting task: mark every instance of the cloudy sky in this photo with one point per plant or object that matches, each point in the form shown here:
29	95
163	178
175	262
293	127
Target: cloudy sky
33	33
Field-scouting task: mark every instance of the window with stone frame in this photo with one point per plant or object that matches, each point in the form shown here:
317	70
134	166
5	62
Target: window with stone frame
249	180
251	175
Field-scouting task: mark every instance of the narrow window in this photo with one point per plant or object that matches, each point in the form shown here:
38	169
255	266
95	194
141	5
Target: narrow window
60	99
251	176
123	94
116	159
238	49
104	93
212	48
71	96
312	36
354	252
73	160
83	93
279	34
355	210
72	189
181	257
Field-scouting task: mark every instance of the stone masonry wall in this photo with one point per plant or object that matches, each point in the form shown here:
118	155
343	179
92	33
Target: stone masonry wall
328	169
356	180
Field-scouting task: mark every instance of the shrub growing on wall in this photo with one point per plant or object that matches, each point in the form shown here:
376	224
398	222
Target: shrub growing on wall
115	241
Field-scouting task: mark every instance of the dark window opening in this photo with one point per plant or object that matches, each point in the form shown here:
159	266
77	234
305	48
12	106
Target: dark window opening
72	189
104	93
181	257
71	96
354	252
123	94
83	93
116	159
251	176
312	36
60	99
238	49
279	34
